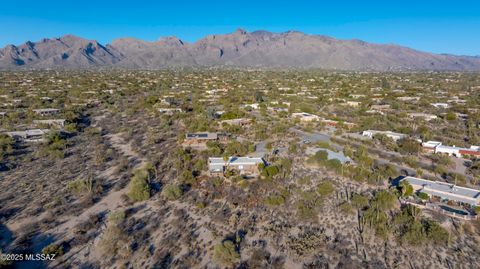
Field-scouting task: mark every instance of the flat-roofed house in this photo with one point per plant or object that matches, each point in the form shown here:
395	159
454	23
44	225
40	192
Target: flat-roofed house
441	105
408	98
425	116
244	165
53	122
390	134
46	111
438	147
430	146
449	150
380	107
472	151
445	191
169	111
199	140
240	122
306	117
334	123
353	103
33	135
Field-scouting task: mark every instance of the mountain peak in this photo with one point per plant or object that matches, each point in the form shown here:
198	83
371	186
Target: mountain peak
71	37
240	31
171	40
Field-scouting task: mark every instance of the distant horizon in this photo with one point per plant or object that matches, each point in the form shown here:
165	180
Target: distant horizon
439	27
190	41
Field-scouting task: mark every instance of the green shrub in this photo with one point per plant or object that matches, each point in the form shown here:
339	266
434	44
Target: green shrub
325	188
172	192
243	184
53	249
226	253
325	145
275	200
270	171
435	232
304	181
423	196
115	238
306	211
139	189
319	157
80	186
346	208
406	188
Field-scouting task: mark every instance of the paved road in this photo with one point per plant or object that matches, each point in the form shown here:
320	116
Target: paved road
312	137
317	136
260	150
331	154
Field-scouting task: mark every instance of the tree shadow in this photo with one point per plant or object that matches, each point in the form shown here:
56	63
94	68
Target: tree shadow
6	238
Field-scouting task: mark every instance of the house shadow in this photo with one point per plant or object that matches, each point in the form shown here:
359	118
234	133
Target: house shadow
396	181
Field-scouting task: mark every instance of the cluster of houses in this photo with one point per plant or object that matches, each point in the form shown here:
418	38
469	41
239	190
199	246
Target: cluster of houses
217	165
38	134
430	146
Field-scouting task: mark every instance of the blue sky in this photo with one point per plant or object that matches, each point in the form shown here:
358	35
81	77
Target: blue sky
435	26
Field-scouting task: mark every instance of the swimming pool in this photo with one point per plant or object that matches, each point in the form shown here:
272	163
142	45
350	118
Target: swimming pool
453	210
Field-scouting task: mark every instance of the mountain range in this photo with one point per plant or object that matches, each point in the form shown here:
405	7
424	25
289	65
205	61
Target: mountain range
258	49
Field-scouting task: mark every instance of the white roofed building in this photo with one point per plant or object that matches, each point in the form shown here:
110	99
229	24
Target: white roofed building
390	134
33	135
306	117
245	165
445	191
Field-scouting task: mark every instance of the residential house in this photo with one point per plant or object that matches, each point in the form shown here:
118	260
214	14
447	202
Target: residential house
53	122
445	191
306	117
441	105
430	146
425	116
334	123
438	147
199	140
244	165
472	151
240	122
356	96
353	103
380	107
408	98
46	111
33	135
169	111
390	134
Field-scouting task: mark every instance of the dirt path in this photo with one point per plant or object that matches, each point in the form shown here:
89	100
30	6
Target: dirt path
108	203
112	200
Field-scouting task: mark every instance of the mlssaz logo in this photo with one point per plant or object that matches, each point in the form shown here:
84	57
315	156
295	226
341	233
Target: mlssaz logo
40	257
